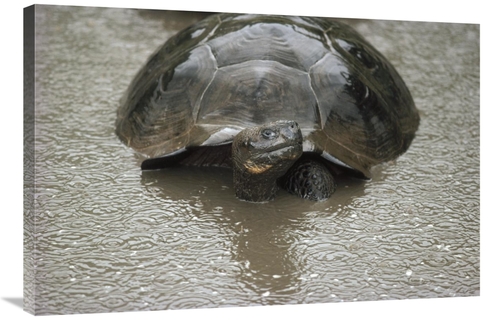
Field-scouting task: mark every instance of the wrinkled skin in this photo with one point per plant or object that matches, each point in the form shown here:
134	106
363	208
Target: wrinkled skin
263	154
309	179
269	156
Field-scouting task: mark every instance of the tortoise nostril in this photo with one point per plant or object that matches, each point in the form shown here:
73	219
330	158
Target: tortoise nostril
291	131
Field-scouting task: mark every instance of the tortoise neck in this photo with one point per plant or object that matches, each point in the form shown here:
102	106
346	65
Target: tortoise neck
254	187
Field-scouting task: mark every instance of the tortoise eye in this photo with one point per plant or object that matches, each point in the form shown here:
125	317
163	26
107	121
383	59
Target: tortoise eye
268	134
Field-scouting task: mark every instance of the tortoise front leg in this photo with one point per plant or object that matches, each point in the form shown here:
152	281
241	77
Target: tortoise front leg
309	179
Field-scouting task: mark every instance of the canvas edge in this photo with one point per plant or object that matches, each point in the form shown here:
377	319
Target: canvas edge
29	215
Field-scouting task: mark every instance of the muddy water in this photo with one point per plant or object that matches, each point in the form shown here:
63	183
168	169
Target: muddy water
112	238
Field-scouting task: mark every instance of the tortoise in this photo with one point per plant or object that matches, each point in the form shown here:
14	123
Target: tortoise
285	101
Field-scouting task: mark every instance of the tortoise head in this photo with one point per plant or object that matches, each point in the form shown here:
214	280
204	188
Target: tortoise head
261	155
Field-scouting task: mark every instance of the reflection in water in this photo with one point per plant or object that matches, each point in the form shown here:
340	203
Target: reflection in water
267	244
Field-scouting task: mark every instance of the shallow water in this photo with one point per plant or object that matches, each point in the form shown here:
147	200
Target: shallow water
109	237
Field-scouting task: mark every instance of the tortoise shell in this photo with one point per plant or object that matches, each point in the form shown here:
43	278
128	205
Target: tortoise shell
229	72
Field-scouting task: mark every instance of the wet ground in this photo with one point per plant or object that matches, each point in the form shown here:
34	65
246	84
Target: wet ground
112	238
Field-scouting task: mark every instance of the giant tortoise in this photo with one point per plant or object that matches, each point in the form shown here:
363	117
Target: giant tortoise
282	100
